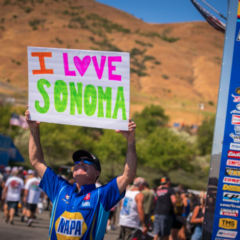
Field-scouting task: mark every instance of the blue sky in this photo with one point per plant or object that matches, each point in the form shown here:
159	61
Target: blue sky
165	11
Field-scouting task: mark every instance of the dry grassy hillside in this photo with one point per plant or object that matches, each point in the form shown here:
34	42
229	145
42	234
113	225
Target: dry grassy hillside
174	65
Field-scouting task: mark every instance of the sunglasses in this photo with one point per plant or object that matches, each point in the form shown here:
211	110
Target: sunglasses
86	162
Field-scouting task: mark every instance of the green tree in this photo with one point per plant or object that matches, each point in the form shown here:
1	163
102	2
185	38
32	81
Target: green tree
111	148
165	151
205	136
5	113
150	118
60	141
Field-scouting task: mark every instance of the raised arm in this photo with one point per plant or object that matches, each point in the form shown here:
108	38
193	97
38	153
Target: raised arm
139	200
131	158
35	148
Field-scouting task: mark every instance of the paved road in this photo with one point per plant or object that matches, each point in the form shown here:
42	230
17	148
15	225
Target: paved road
38	231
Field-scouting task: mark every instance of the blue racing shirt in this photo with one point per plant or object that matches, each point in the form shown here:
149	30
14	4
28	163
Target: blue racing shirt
78	215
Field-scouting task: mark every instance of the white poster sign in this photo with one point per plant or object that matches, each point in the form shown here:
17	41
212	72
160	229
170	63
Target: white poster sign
79	87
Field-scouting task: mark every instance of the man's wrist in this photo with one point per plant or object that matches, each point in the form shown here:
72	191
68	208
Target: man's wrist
34	129
131	142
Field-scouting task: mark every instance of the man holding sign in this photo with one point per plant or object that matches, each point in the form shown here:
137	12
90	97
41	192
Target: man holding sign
80	211
86	88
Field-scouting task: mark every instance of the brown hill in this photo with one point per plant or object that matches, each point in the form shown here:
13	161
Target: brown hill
174	65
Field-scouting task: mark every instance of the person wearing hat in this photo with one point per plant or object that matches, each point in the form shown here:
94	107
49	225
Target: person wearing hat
30	175
164	209
32	193
12	194
132	212
80	211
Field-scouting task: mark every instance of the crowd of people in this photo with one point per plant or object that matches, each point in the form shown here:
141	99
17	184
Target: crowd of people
164	212
20	189
161	212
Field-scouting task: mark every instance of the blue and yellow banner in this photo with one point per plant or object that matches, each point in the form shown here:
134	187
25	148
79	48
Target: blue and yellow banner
226	223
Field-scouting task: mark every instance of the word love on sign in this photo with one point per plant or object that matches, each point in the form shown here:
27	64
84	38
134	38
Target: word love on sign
79	87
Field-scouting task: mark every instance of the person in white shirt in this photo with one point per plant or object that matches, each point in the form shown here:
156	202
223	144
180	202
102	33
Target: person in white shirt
132	213
31	197
12	193
30	174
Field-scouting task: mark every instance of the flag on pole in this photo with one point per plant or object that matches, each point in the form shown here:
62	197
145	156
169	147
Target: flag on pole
18	120
213	21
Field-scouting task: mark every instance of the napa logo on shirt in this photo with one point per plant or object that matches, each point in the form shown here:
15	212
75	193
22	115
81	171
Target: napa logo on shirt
70	225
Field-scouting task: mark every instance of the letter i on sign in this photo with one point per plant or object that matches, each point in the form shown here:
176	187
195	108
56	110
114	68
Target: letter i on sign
41	56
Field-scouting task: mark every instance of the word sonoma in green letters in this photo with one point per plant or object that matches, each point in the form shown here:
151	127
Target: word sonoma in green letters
89	100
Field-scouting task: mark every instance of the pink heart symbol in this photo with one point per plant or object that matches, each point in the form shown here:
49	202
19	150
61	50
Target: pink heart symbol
82	65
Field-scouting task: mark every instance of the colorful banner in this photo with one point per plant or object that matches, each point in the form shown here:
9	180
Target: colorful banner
79	87
226	223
